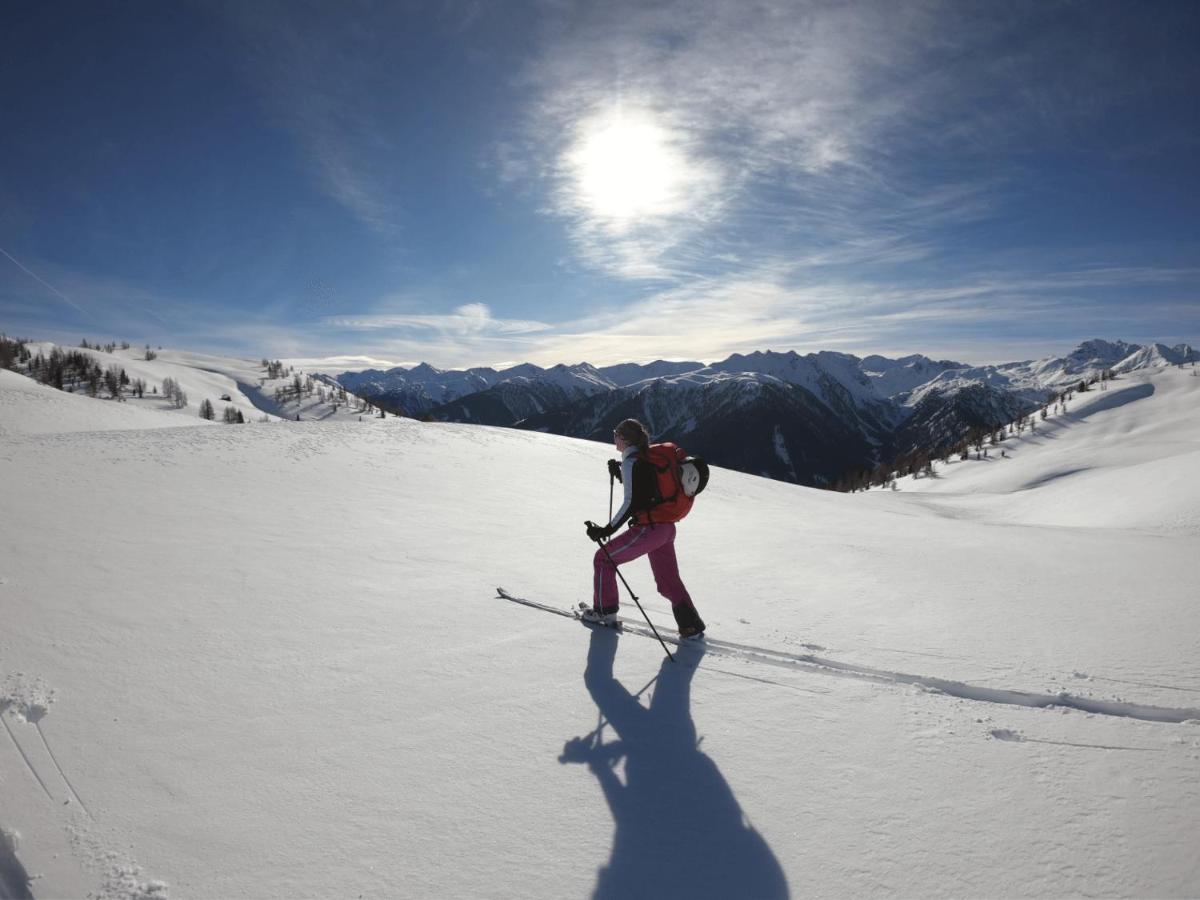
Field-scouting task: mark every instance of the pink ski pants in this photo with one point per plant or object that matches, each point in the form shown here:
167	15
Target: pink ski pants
659	543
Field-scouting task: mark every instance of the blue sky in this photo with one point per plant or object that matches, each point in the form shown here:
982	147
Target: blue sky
477	183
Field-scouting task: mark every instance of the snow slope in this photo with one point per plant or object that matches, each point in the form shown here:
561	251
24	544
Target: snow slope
274	665
31	408
1121	458
202	377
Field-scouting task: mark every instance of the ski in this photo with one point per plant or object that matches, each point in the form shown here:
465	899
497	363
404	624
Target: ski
623	624
632	626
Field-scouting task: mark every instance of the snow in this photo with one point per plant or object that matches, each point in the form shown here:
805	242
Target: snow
201	376
1036	380
582	377
1121	458
270	662
1158	356
899	376
31	408
625	374
808	372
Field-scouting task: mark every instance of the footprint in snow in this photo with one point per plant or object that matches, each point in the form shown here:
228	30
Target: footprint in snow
1006	734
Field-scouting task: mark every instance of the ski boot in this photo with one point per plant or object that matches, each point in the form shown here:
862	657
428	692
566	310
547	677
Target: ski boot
597	617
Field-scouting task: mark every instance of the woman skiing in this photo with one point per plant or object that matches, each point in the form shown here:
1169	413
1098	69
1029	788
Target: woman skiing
643	538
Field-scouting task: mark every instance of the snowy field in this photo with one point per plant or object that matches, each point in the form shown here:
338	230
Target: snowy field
268	660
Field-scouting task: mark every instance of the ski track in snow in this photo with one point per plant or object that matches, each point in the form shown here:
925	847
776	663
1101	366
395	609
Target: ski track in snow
1015	737
58	766
30	703
812	662
25	756
122	878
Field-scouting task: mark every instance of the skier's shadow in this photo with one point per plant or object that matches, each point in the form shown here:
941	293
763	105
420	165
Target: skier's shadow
14	881
679	830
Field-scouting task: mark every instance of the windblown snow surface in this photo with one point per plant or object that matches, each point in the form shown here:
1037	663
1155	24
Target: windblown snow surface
268	660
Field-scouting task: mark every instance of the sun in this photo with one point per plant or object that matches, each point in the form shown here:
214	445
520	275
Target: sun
626	167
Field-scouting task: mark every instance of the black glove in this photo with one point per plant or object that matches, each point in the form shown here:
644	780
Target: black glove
614	470
596	532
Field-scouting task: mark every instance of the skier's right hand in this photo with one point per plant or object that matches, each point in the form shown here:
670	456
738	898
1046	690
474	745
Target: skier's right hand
614	470
598	533
576	750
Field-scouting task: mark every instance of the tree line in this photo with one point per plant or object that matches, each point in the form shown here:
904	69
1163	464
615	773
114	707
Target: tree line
74	371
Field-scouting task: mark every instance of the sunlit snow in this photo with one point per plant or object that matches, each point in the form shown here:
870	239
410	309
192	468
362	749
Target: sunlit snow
268	660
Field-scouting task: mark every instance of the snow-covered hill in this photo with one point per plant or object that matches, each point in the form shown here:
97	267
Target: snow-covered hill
1123	458
250	388
270	662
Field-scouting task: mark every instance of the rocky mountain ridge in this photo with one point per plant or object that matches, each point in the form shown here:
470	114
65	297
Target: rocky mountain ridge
802	418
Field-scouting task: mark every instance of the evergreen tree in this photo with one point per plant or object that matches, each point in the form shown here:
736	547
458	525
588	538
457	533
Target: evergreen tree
206	410
94	377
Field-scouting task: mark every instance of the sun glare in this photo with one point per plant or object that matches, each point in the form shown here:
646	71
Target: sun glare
626	168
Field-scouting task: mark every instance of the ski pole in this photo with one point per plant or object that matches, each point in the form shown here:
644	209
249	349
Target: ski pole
601	721
617	569
612	480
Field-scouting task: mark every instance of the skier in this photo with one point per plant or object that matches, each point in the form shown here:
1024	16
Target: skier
644	537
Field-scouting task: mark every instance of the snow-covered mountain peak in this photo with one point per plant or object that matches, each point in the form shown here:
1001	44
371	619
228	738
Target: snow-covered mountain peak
814	371
526	370
893	377
1157	356
876	366
630	373
578	375
1098	353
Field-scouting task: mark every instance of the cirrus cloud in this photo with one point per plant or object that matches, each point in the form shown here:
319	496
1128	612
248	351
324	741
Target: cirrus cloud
466	321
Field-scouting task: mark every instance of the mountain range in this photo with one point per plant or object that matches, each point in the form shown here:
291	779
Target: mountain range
807	419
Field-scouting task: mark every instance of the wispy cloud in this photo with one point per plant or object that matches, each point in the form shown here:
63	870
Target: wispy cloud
467	321
765	114
858	132
983	318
